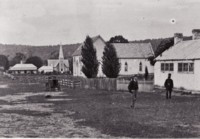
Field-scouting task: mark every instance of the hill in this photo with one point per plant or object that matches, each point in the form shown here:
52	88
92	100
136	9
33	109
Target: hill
44	52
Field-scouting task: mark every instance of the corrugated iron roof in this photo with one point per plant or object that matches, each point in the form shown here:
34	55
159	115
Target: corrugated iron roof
134	50
23	67
185	50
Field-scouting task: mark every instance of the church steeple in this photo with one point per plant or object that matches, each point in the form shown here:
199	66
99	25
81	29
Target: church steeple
61	53
61	60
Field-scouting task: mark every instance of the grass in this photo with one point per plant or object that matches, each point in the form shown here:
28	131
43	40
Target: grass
153	116
110	112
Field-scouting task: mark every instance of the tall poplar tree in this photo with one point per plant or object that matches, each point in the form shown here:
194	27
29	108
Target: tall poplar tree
89	59
110	62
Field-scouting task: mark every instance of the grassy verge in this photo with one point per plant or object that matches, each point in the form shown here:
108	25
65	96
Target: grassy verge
154	116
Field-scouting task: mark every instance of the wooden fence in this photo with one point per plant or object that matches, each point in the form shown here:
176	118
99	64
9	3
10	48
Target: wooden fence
70	83
144	86
94	83
97	83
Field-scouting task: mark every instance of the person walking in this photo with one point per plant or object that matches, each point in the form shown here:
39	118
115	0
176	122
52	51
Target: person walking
169	86
133	88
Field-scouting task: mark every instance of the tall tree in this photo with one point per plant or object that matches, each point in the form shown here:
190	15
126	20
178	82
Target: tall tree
164	45
18	57
4	62
118	39
110	62
71	65
35	60
89	59
146	74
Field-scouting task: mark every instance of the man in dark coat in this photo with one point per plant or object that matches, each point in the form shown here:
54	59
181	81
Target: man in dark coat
133	88
169	86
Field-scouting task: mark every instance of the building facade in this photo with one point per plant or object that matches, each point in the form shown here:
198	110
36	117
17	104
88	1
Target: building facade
23	69
133	58
182	61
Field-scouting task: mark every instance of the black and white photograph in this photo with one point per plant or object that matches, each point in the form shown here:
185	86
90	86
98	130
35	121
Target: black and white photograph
100	69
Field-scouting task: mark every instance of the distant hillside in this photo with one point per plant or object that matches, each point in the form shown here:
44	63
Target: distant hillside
44	52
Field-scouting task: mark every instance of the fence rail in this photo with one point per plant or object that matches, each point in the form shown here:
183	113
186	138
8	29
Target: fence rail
70	83
144	86
94	83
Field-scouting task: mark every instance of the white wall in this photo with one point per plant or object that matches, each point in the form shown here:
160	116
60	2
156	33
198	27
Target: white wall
77	65
189	81
133	66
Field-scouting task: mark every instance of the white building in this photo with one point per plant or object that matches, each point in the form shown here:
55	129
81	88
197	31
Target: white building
46	69
182	61
23	69
60	65
132	56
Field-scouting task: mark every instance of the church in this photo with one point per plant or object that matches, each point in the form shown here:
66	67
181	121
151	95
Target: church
60	65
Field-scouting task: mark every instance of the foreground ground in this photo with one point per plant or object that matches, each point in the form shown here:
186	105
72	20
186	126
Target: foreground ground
25	112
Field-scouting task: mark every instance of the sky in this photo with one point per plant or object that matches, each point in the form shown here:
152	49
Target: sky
49	22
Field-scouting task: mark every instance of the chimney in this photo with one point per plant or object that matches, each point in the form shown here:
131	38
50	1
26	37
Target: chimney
178	37
21	62
196	34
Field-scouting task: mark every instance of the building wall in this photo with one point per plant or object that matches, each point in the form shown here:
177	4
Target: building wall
189	81
77	65
134	65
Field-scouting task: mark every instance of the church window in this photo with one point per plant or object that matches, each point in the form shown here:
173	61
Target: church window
140	66
126	66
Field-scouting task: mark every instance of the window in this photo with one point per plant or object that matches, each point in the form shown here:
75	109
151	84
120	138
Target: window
171	67
167	66
180	67
126	67
185	67
162	66
191	67
77	63
140	66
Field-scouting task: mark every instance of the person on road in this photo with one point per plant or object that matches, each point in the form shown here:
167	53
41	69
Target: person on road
169	86
133	88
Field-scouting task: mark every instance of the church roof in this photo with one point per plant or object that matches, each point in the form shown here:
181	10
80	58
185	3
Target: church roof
133	50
